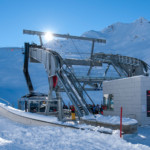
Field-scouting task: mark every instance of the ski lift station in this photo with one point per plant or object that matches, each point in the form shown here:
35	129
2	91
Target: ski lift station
130	88
133	94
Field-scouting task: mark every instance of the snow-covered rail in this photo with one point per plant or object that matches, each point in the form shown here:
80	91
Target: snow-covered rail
3	100
40	120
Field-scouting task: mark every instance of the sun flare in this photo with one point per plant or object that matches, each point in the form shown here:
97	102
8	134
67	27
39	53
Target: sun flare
48	36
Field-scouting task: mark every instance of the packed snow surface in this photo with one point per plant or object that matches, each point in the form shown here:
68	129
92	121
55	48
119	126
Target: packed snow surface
115	120
112	119
15	136
4	142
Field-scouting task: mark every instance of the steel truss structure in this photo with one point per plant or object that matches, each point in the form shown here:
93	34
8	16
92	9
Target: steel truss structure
75	86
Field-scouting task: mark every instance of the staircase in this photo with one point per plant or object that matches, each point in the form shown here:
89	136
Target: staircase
75	91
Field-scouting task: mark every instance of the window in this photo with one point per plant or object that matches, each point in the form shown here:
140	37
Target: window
148	103
108	102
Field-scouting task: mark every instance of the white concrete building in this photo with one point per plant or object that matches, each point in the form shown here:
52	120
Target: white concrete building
133	94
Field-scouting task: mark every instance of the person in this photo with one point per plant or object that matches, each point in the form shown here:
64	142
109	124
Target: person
72	109
65	106
94	109
97	109
101	110
91	107
73	112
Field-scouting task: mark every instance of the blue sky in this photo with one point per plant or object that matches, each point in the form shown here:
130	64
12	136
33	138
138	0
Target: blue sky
64	16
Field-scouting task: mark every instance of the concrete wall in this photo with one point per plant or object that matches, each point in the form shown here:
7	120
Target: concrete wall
130	93
30	121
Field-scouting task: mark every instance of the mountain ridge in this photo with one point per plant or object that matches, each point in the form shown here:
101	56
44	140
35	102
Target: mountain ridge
129	39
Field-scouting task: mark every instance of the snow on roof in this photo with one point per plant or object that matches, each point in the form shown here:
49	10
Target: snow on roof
51	119
115	120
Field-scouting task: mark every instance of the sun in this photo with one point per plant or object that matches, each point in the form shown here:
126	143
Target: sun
48	36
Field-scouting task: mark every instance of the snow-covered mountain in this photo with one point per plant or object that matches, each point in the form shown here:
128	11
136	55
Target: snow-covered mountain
127	39
130	39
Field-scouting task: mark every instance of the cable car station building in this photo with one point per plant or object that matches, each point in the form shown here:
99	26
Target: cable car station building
133	94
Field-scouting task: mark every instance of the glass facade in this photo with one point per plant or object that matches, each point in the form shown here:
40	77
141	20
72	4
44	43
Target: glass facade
108	102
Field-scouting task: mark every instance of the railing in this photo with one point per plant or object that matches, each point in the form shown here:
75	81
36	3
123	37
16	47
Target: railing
77	82
7	103
37	103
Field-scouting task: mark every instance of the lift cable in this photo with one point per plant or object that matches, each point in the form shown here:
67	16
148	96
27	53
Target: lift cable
76	48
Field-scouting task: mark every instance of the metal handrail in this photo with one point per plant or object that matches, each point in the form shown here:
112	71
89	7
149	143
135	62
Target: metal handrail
5	101
78	82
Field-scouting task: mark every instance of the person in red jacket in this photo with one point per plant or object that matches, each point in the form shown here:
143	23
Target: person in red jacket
72	109
101	110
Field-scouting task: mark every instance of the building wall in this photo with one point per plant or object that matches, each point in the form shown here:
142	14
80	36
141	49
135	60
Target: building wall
145	85
130	93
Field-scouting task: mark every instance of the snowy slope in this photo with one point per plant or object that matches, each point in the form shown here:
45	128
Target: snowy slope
56	138
131	39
